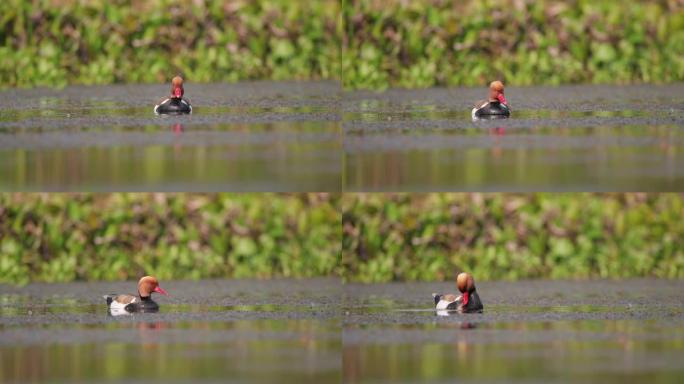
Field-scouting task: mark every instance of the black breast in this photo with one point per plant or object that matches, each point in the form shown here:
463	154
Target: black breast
474	304
173	106
493	109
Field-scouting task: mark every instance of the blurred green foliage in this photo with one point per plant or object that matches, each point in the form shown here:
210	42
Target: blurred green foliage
65	237
422	43
504	236
54	42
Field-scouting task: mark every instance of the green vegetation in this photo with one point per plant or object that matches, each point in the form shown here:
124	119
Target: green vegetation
65	237
54	43
421	43
415	43
434	236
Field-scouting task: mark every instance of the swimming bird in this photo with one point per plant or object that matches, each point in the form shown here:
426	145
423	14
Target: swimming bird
121	304
467	302
174	104
496	107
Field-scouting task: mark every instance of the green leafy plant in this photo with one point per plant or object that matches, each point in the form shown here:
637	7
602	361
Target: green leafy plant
422	43
54	43
65	237
505	236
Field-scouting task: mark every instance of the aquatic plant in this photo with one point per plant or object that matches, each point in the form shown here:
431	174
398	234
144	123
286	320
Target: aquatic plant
422	43
505	236
65	237
54	43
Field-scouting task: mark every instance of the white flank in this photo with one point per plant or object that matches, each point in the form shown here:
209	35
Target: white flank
119	312
115	305
443	304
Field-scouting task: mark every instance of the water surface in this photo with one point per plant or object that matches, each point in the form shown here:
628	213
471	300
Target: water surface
570	138
537	331
206	331
260	136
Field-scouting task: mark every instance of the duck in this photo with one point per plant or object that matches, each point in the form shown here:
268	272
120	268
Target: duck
494	108
175	104
467	302
122	304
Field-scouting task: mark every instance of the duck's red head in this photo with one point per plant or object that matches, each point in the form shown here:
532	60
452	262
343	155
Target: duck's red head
496	92
149	284
466	285
177	87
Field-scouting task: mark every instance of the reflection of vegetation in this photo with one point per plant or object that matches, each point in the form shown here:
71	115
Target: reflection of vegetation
420	43
101	42
62	237
431	237
520	353
272	156
236	349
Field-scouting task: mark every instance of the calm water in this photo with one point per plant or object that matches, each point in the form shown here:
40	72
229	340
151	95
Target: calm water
321	331
573	138
597	331
206	331
262	136
270	136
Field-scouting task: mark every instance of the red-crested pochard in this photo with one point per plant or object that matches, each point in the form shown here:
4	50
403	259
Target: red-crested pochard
467	302
175	104
120	304
496	107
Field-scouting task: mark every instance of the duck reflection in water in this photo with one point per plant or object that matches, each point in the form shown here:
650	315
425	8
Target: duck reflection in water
496	133
178	129
461	324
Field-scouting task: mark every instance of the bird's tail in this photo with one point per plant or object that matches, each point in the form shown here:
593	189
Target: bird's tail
109	298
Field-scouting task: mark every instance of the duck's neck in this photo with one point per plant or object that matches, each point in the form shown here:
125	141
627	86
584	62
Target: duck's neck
145	298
